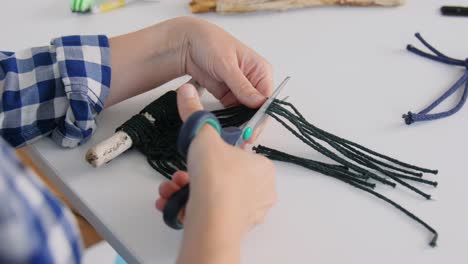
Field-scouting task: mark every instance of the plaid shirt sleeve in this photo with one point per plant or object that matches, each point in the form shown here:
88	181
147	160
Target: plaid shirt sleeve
54	90
35	227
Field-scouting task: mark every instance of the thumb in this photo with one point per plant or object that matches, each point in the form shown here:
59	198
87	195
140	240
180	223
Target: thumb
188	101
242	88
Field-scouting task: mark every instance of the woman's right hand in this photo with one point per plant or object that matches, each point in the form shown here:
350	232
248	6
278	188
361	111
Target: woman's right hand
231	190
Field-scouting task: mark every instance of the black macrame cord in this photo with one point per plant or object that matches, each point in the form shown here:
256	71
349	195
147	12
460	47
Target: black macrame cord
357	165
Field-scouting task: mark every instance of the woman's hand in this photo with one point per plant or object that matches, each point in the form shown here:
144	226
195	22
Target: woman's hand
145	59
231	71
231	191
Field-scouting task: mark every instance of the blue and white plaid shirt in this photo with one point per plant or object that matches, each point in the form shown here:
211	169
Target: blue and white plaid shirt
55	90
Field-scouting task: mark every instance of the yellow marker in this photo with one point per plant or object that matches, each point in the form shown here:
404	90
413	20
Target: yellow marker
110	5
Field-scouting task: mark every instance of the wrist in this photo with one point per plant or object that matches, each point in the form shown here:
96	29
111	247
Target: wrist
170	40
208	239
147	58
183	29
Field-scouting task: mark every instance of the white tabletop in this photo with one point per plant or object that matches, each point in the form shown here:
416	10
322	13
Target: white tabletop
350	75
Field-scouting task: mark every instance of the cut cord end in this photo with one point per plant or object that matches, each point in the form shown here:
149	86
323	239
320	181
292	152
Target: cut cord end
433	242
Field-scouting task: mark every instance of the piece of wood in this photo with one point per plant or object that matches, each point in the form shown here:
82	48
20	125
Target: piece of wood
108	149
202	6
239	6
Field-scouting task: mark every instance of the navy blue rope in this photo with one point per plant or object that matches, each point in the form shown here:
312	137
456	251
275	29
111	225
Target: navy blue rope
440	57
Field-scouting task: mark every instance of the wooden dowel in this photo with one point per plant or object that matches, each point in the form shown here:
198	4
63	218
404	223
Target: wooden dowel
239	6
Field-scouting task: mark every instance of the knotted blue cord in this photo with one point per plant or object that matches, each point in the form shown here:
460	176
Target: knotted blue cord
440	57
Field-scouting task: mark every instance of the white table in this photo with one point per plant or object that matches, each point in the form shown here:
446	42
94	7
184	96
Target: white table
351	76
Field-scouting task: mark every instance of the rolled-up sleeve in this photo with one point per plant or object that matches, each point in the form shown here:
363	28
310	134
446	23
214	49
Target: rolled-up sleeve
54	90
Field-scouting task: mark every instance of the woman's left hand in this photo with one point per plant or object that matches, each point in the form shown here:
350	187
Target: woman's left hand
231	71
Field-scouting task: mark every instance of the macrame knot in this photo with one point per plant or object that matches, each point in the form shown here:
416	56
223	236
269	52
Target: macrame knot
155	129
408	118
440	57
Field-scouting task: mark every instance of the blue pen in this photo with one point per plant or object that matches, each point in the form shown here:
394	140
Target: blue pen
232	135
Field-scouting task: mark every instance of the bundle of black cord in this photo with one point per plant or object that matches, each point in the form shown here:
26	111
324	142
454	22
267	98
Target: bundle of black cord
357	164
157	139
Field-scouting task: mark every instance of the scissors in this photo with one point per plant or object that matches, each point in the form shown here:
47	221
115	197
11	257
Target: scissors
235	136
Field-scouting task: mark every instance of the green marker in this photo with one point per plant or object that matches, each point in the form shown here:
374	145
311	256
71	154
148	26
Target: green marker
81	6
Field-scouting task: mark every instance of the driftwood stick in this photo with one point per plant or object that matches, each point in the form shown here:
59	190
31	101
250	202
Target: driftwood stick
239	6
120	142
108	149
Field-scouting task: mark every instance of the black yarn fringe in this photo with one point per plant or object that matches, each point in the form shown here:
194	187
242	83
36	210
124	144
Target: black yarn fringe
357	165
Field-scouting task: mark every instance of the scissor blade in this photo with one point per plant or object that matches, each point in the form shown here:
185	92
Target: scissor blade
260	116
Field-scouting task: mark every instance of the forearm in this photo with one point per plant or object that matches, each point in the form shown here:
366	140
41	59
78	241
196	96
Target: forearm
147	58
209	240
80	88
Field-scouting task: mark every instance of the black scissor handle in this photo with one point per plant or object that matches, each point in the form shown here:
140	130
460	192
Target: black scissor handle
174	205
